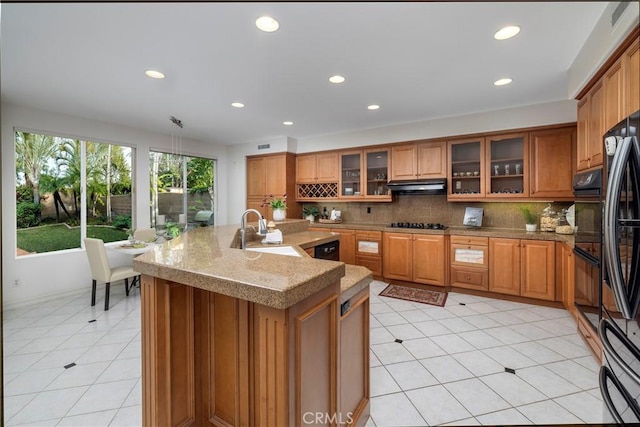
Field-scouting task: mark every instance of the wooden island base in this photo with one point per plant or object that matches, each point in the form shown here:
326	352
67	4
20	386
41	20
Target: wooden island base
211	359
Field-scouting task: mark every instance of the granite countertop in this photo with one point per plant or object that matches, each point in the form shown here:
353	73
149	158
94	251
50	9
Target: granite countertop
456	231
203	258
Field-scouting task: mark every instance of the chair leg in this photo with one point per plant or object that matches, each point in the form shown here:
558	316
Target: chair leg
106	295
126	286
93	293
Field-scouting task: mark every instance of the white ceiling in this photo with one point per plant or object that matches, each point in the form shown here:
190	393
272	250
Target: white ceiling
417	60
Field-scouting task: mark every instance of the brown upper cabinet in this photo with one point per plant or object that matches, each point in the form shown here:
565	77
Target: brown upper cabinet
420	160
631	72
553	151
591	128
515	165
622	87
612	95
364	174
317	168
271	174
498	166
613	82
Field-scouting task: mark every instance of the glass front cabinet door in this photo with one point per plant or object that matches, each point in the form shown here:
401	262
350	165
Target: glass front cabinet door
350	175
507	172
466	171
377	174
364	175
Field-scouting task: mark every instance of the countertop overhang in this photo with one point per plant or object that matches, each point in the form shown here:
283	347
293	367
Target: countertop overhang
203	258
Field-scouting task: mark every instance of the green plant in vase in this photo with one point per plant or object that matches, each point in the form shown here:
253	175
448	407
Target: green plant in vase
278	206
310	212
530	218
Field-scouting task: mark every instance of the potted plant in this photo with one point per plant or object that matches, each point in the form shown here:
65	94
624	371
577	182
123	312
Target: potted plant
173	229
530	218
278	205
310	212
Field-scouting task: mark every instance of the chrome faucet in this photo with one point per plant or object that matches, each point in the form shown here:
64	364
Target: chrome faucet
262	225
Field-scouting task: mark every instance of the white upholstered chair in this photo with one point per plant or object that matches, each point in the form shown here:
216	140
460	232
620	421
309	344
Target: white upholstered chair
145	234
102	271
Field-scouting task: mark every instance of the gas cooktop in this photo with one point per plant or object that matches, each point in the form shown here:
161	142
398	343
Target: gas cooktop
428	226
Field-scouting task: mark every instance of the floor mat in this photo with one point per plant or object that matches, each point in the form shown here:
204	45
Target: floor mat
424	296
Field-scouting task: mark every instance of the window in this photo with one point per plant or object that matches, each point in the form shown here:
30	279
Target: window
182	191
52	173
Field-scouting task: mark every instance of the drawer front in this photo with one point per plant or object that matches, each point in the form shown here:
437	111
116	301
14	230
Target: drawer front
470	240
470	255
363	234
372	263
470	278
590	337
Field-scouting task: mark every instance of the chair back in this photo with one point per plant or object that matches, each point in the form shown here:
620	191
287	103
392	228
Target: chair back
145	234
98	261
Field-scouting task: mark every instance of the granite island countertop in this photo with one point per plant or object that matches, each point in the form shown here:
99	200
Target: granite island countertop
203	258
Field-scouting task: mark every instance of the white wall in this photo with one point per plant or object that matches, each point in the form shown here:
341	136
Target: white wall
512	118
45	275
600	44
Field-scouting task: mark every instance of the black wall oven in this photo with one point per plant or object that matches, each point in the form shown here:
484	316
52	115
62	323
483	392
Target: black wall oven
588	191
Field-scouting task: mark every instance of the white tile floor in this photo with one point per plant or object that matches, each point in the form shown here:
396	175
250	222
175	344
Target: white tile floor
102	389
449	368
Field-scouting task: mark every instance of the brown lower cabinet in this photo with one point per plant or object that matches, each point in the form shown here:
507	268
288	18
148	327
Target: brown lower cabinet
522	267
211	359
419	258
354	361
347	245
565	276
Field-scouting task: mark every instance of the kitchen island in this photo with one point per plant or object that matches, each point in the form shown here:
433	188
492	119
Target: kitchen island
233	337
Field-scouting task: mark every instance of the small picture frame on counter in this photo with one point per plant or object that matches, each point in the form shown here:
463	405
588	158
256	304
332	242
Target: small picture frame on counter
473	217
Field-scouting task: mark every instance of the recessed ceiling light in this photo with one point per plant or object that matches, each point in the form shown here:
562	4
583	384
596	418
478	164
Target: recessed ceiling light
336	79
267	24
287	123
502	82
373	107
154	74
237	104
506	32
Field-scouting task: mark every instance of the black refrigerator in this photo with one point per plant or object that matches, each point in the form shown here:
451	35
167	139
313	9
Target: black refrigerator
619	328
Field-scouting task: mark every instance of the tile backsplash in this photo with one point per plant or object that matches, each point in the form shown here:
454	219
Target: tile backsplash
436	209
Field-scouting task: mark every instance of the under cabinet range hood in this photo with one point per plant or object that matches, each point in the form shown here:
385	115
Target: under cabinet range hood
429	187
